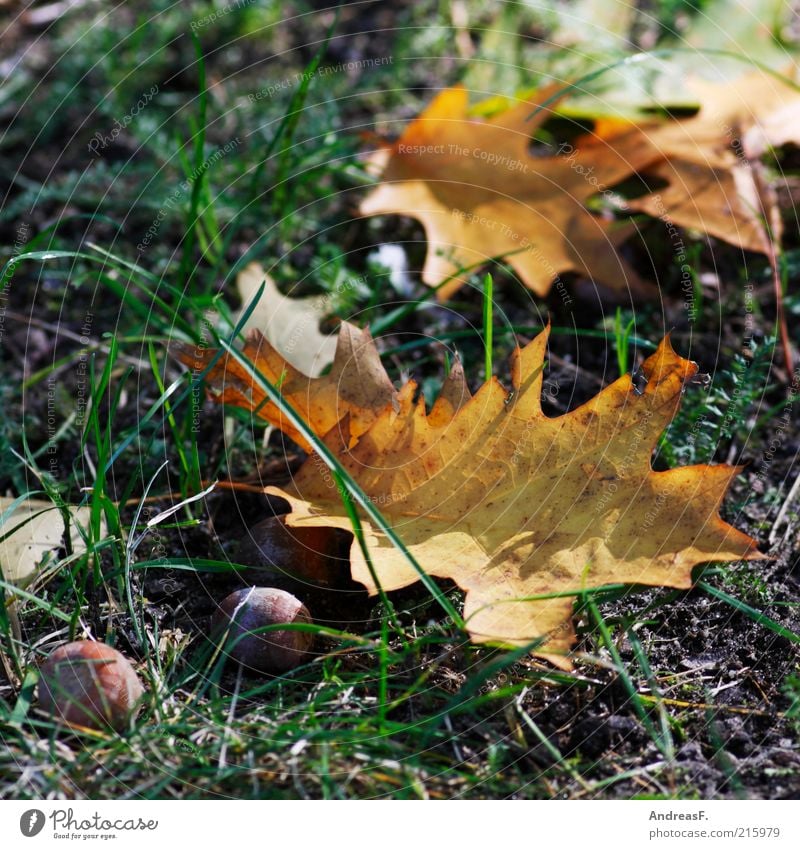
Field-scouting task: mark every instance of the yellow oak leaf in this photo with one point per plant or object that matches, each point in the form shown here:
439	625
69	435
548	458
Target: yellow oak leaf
480	193
711	160
32	529
291	325
356	387
521	510
758	102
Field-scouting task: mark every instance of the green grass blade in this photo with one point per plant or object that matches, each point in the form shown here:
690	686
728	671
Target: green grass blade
358	532
751	612
25	697
199	173
622	671
488	323
47	606
286	129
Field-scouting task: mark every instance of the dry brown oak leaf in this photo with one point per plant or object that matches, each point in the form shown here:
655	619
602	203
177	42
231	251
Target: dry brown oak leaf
356	387
758	103
512	504
479	194
711	160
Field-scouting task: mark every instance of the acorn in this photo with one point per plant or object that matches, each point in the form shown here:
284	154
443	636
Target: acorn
294	558
310	562
89	684
247	610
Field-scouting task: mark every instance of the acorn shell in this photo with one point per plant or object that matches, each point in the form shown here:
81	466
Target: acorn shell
292	558
249	609
89	684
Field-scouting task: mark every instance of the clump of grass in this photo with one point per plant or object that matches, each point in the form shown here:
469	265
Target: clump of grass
711	418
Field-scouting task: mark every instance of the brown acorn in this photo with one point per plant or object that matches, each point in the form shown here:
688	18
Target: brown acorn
252	608
89	684
292	558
